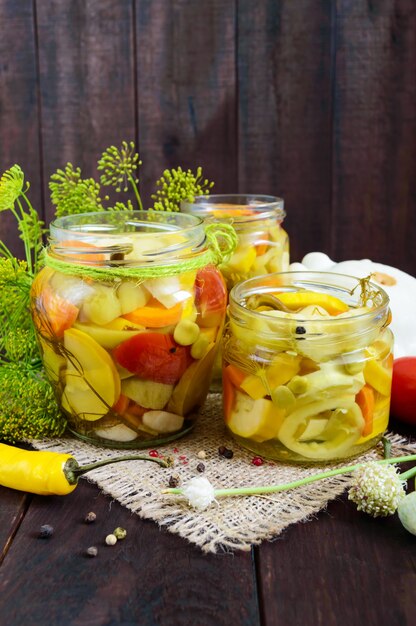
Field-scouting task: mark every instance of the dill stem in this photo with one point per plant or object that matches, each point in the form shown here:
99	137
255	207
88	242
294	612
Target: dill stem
251	491
25	235
136	191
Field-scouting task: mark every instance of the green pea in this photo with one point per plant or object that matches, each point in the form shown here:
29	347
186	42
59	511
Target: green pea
186	333
283	397
298	385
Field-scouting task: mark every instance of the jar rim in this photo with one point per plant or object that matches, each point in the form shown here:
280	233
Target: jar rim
261	206
127	233
69	223
273	282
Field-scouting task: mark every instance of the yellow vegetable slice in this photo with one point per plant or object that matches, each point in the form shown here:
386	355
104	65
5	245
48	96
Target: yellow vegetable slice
283	367
92	381
242	259
107	337
259	420
53	363
254	387
299	299
378	377
344	424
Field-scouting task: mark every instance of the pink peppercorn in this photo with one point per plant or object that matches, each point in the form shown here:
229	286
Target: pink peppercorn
154	453
257	460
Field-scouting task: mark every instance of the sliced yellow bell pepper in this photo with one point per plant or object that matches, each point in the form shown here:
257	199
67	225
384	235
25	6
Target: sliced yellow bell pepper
304	430
283	367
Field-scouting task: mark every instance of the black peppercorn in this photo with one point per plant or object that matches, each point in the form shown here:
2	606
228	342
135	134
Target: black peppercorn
300	330
174	481
200	468
225	452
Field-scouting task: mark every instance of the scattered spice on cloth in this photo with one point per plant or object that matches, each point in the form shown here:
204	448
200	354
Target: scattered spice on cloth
234	523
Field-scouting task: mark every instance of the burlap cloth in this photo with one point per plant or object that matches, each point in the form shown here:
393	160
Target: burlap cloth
234	523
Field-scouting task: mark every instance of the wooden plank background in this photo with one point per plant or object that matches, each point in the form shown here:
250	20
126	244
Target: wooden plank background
311	100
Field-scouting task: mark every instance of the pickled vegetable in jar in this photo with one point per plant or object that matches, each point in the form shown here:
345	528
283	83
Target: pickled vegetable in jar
263	245
307	366
129	312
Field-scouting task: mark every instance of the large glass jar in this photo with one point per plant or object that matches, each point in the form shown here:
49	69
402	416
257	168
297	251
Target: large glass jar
263	245
129	312
307	366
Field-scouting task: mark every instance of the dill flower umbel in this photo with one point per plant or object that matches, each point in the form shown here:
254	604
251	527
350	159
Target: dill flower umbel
377	489
176	185
119	166
71	194
11	186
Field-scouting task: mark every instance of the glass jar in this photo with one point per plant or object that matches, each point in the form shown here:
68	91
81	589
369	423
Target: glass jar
263	245
307	366
129	312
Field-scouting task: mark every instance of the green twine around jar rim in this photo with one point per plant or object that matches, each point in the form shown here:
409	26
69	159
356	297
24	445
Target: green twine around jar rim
221	240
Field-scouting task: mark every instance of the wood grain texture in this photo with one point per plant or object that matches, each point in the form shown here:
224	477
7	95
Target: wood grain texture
285	109
313	101
19	114
149	578
186	79
12	510
343	569
86	54
374	182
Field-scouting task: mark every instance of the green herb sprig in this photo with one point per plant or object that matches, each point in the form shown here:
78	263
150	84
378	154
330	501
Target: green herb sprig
28	408
71	194
119	167
176	185
21	372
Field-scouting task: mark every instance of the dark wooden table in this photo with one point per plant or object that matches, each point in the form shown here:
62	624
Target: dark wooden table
342	567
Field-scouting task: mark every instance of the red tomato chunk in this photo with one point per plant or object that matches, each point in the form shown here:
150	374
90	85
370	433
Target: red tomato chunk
154	356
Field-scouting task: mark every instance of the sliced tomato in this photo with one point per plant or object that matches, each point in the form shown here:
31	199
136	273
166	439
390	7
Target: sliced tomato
210	296
154	356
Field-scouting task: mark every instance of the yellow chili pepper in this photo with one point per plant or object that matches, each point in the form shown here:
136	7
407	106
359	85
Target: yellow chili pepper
50	473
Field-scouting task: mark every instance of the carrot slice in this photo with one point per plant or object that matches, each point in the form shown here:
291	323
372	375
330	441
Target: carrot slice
88	256
235	375
365	400
136	409
121	405
230	210
261	248
155	315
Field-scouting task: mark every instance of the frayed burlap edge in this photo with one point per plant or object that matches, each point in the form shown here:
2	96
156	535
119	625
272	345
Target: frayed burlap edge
233	523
